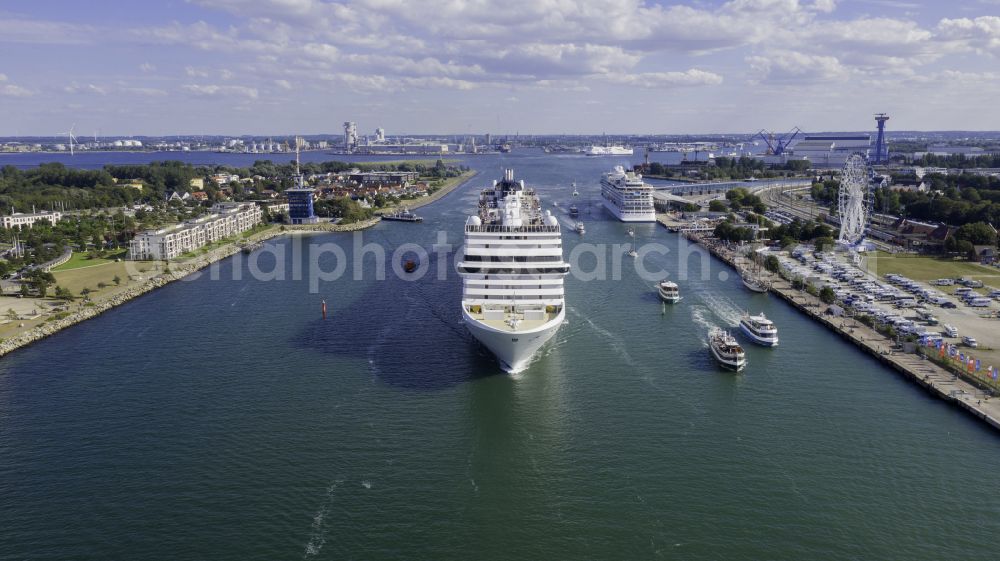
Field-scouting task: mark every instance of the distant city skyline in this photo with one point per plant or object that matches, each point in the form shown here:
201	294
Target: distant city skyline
280	67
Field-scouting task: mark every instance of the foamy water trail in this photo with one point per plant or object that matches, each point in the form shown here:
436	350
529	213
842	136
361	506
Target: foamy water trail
722	307
616	342
319	526
700	315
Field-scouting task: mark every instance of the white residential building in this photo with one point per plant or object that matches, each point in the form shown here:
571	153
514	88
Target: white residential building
226	219
21	219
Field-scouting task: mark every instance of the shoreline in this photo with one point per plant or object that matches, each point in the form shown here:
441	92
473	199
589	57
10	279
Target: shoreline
434	197
177	271
936	380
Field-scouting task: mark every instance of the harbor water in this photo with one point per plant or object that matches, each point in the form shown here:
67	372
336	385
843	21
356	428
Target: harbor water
224	418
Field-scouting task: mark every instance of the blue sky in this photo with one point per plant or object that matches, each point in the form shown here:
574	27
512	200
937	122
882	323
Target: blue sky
474	66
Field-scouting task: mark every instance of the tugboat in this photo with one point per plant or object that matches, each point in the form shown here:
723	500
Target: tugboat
573	211
403	216
669	292
579	228
759	329
727	352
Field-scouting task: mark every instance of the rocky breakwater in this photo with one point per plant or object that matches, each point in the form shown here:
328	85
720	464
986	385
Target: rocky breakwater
331	227
85	311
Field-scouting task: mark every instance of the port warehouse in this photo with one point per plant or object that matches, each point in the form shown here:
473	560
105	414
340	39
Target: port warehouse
225	220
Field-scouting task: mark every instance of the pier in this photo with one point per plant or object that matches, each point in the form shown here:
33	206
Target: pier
938	381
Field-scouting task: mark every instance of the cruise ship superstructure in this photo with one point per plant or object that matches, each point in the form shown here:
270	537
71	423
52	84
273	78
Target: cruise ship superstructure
609	151
628	198
512	271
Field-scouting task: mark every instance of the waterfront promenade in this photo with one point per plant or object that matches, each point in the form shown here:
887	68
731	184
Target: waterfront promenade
935	379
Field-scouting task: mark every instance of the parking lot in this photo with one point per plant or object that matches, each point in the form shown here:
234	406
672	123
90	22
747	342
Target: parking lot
947	310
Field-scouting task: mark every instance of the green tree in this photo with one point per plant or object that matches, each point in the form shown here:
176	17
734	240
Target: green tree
823	243
977	233
827	295
40	281
64	294
717	206
772	263
117	280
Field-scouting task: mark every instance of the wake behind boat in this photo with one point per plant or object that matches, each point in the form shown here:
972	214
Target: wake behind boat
512	273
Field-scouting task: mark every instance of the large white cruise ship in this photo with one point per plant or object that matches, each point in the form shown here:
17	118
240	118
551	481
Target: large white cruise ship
596	150
629	199
512	272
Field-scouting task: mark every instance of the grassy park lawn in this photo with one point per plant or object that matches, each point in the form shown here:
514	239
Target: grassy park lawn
930	268
77	279
82	259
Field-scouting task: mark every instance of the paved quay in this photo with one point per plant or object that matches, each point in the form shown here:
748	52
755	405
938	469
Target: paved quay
938	381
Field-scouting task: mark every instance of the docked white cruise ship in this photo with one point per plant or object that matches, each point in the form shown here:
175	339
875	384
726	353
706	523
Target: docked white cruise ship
596	150
512	271
629	199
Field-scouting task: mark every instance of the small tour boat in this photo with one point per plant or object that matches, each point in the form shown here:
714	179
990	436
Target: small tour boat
669	292
403	216
759	329
727	352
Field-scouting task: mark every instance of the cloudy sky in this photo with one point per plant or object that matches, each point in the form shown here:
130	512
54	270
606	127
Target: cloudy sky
474	66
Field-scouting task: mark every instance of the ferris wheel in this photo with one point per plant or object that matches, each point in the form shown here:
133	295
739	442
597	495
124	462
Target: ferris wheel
854	202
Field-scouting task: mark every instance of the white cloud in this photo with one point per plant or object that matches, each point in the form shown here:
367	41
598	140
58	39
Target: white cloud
77	89
12	90
22	30
213	90
389	84
147	67
692	77
147	92
788	67
825	6
283	84
981	33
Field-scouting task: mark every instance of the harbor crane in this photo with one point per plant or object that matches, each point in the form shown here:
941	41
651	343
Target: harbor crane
776	145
